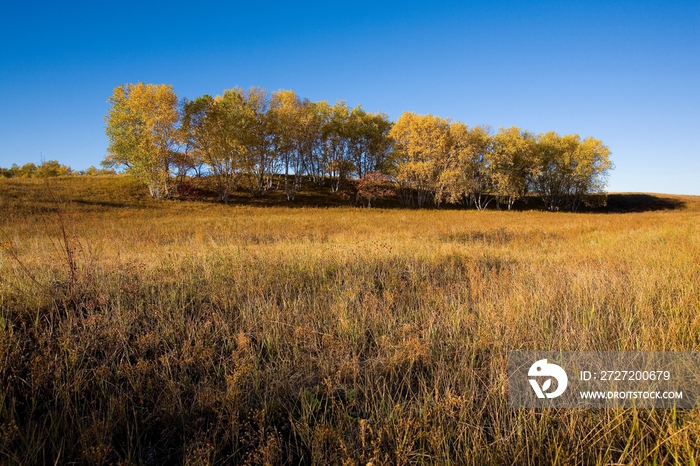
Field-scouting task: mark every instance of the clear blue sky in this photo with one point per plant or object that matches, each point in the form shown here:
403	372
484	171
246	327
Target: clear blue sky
624	72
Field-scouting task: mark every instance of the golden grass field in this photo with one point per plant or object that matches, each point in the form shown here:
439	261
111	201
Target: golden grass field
161	332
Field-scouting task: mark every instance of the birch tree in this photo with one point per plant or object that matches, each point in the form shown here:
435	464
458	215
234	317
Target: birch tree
142	128
511	163
293	121
569	171
256	133
425	156
211	128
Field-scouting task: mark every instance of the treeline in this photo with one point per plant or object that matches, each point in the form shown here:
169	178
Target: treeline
50	168
244	139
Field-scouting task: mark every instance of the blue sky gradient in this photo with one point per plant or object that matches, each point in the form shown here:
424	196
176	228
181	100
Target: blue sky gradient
624	72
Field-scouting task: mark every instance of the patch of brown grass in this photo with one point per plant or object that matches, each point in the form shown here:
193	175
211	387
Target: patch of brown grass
200	333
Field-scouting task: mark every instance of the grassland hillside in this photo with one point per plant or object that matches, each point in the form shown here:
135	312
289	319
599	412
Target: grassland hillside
135	331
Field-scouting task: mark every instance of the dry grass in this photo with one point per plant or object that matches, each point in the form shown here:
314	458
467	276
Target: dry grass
182	332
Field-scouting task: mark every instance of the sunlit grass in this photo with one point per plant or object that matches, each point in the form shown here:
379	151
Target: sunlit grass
202	333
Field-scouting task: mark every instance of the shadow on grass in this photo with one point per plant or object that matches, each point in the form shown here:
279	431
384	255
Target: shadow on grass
638	202
320	197
109	192
313	195
115	204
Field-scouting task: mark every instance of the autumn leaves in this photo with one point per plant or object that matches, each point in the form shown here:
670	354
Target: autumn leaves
142	127
248	138
436	160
